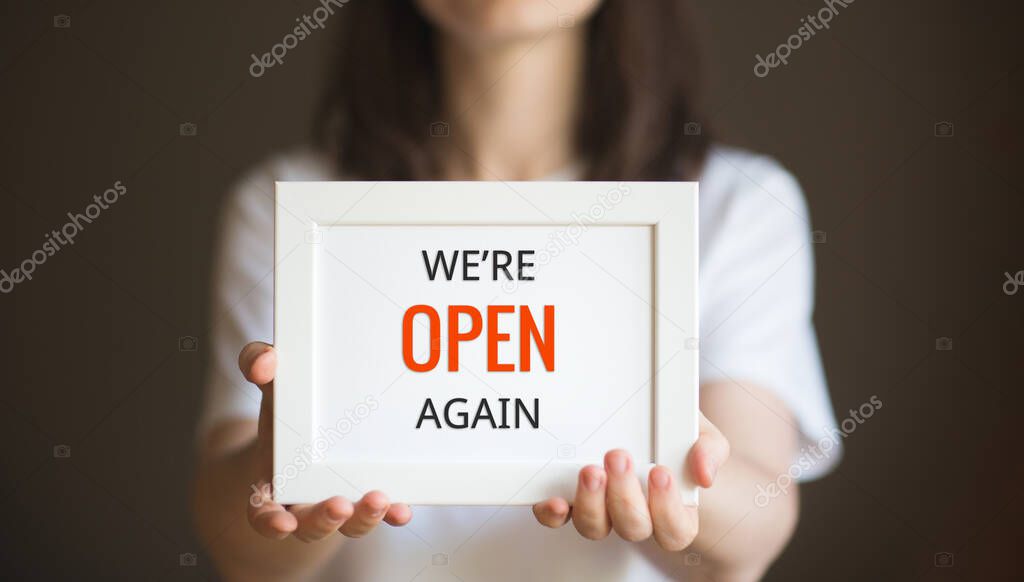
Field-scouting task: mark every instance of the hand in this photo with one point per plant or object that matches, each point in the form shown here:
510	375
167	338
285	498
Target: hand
307	522
611	497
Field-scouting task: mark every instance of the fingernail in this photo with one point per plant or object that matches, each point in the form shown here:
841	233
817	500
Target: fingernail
660	478
617	463
592	481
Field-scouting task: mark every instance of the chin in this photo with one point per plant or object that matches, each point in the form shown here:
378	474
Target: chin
505	20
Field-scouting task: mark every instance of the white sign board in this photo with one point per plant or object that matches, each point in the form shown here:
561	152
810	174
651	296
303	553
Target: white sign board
477	342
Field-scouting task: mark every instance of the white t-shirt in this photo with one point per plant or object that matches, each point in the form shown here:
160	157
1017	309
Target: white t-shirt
756	297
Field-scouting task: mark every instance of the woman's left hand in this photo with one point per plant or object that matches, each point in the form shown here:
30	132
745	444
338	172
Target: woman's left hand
611	497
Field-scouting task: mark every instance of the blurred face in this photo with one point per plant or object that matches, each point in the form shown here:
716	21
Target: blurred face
503	20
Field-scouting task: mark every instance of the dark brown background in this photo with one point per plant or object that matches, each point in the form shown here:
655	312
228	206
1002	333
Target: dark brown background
920	231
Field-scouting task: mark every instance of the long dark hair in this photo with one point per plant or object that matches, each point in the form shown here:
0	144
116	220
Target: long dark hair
638	119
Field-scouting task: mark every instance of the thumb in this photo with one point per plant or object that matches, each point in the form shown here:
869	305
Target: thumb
258	363
708	454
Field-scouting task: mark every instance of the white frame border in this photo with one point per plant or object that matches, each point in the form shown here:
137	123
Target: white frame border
670	208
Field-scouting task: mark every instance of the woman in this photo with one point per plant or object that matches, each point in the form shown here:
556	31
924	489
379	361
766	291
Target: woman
524	90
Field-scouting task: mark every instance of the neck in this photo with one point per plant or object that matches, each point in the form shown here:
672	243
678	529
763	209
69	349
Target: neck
512	105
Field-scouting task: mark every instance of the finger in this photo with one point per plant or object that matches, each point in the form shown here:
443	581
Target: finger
553	512
398	514
675	524
321	520
269	518
258	363
589	512
625	498
368	513
708	454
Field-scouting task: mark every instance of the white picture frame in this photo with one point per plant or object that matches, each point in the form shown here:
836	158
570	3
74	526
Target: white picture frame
304	210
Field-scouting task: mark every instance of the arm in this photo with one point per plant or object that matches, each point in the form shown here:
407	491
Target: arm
234	472
228	467
739	540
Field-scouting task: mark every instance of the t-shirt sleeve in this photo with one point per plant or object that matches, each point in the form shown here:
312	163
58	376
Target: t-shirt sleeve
242	299
757	297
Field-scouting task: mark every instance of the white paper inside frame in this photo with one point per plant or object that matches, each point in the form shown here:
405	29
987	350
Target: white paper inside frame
598	396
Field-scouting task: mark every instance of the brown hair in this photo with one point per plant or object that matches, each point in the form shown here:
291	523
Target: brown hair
638	120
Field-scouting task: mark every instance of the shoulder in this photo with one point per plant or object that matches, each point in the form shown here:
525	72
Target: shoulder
300	163
743	180
253	191
746	196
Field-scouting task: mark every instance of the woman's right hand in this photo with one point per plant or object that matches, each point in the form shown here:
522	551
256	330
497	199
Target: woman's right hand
307	522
